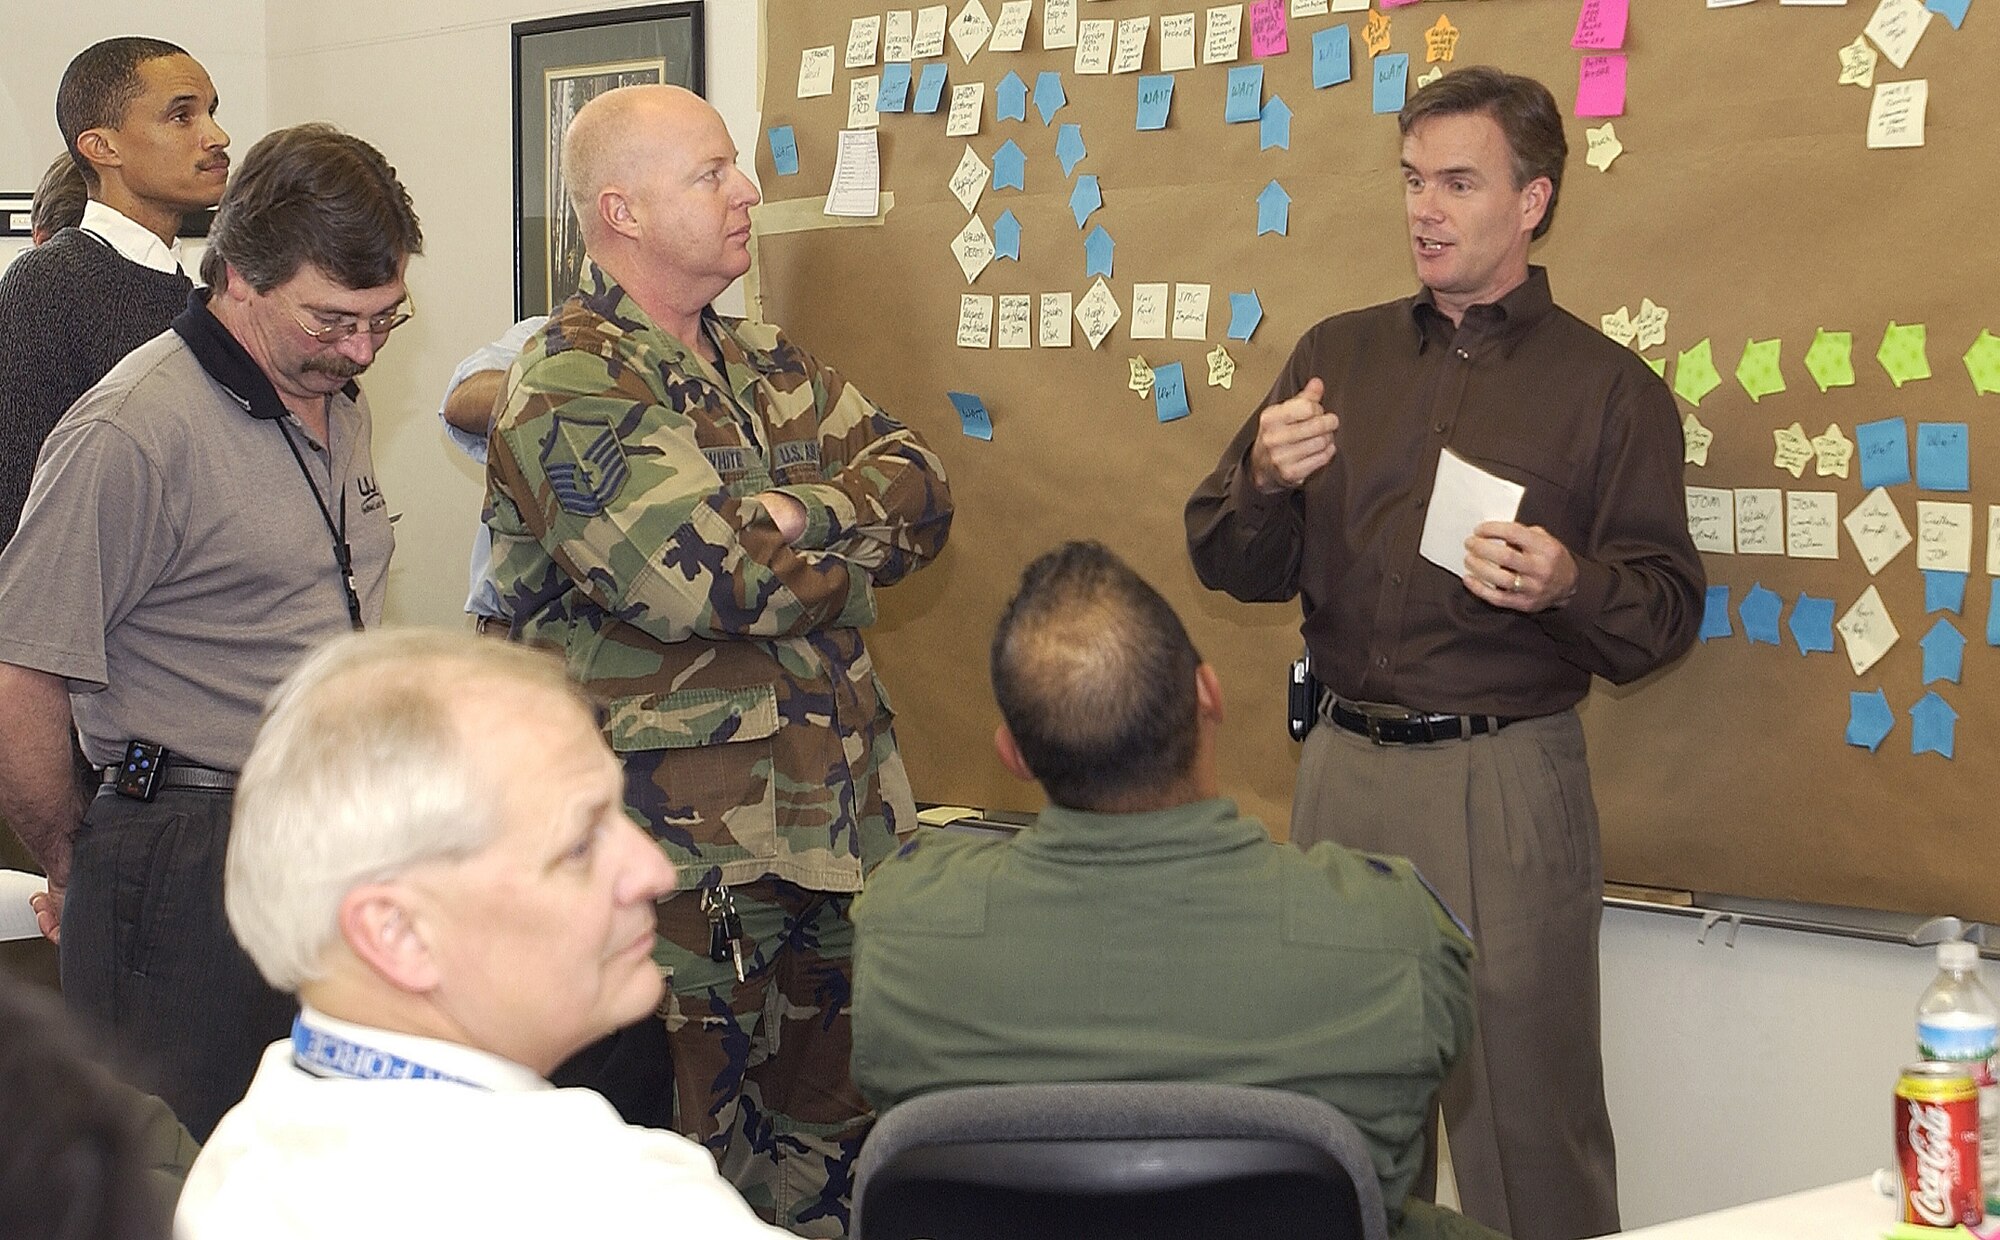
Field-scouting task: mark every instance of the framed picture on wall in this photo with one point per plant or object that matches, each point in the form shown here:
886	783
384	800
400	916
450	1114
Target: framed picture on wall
560	64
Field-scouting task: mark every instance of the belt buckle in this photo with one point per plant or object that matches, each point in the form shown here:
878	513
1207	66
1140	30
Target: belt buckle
1375	716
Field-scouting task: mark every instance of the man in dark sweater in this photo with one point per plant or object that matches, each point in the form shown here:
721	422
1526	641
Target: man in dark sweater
138	117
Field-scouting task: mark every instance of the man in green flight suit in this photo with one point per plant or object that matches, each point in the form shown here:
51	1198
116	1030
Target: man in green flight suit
1141	929
698	514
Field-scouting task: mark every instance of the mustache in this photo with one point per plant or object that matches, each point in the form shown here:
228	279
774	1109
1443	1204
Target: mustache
209	165
335	365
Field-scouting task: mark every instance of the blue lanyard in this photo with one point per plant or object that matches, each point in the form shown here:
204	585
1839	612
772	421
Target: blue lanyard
328	1054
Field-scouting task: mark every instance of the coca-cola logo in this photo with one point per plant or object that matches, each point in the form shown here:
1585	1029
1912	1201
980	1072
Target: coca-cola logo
1930	1144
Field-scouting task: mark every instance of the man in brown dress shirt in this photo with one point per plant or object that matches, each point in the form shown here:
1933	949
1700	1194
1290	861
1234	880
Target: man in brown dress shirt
1450	730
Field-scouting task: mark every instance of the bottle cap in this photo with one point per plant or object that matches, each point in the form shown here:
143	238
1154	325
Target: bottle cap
1957	954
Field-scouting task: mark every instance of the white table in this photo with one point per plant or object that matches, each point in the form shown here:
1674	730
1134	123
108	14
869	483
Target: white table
1850	1210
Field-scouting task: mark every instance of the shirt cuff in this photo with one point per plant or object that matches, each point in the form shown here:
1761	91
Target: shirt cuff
822	521
1586	605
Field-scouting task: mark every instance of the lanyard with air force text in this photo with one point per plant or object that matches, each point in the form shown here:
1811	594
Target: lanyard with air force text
324	1054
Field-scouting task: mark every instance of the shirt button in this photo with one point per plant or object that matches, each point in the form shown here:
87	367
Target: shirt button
1438	427
1467	356
1395	579
1382	660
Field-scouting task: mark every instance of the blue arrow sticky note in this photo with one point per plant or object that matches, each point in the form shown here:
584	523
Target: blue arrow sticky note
1953	10
1275	128
1170	396
1812	624
1010	166
1993	614
1944	652
930	87
1392	82
1941	457
1085	198
1156	99
1869	719
1245	312
1933	726
1760	609
1885	453
1097	253
1333	62
1069	147
784	150
972	416
1274	209
1245	100
1010	97
1944	590
1049	97
1715	614
894	93
1007	237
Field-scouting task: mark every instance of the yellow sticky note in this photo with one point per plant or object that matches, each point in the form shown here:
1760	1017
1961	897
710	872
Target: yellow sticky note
1425	79
1695	439
1142	377
1221	368
1376	33
1619	327
1832	452
1857	63
1795	448
1650	323
1604	147
1440	41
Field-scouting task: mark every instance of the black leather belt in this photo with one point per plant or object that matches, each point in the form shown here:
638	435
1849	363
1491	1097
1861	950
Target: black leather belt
181	775
1396	726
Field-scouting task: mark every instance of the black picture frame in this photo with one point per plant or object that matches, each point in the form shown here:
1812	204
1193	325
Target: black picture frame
561	63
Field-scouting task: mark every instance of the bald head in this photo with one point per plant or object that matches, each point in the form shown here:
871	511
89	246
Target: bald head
617	138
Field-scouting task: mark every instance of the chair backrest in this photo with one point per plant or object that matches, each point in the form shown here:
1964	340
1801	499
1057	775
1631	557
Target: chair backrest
1115	1160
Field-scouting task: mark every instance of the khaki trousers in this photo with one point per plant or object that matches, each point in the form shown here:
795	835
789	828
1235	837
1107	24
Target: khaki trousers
1504	829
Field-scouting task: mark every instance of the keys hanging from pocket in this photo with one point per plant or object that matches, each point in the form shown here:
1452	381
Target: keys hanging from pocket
725	929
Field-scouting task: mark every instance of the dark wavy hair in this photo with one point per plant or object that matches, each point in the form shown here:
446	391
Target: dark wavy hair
1523	108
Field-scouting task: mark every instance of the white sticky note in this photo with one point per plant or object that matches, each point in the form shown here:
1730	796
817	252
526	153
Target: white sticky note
1017	320
1993	540
1052	321
862	35
1896	27
1058	25
1712	519
1177	32
1760	521
1224	31
1618	326
975	321
969	181
929	40
1867	630
973	248
1308	8
1812	525
1649	326
1149	312
969	30
816	72
1877	530
861	91
1348	6
857	175
1094	45
1896	114
1097	313
1462	497
1944	536
1131	54
1190	312
898	37
967	102
1010	29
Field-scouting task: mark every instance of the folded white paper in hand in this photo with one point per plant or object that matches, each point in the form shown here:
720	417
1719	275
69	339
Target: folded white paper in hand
1463	496
17	920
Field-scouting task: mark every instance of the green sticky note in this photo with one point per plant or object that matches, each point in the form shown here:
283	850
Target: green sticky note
1758	369
1659	365
1695	375
1982	362
1830	360
1902	352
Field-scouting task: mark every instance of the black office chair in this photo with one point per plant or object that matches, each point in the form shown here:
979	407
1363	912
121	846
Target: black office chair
1128	1160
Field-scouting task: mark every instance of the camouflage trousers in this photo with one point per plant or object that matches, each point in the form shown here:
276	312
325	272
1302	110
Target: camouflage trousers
761	1066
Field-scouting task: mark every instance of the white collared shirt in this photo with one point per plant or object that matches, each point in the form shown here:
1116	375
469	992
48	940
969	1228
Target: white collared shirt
460	1062
130	238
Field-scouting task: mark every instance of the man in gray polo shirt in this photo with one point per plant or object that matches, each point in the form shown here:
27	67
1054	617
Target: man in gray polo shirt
199	520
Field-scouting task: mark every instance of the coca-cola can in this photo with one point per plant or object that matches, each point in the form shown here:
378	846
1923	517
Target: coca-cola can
1937	1145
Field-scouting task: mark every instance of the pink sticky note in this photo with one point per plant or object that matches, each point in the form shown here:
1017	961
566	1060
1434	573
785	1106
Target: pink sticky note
1267	28
1394	4
1601	24
1600	86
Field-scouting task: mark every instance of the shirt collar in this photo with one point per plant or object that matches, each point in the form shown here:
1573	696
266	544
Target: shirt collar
131	239
463	1062
1195	828
227	362
1506	321
608	299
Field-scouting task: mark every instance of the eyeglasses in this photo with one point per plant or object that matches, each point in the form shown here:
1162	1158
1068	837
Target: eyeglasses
379	325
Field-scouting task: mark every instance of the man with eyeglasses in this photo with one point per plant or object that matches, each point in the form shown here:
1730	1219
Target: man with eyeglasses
200	520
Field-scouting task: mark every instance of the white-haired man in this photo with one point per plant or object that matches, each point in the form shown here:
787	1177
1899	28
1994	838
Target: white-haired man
459	906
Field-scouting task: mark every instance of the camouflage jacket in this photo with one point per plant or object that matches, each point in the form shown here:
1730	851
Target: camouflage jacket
623	472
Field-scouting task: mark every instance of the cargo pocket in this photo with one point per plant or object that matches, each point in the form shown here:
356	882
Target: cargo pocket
698	768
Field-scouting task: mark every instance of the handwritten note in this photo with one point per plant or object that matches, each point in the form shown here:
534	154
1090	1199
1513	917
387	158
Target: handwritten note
929	40
1857	63
1600	25
861	112
1944	536
1876	528
1333	57
1760	521
898	37
1896	114
856	190
863	33
1885	452
1221	368
1618	326
975	321
1058	25
1896	27
973	248
1867	630
1650	323
1093	45
816	72
1600	86
1243	98
973	418
967	102
1392	82
1177	32
1223	34
1149	312
784	150
1017	320
1942	463
1131	54
1602	147
1267	28
1010	29
1052	320
1190	312
1712	519
968	181
1440	42
1794	449
1375	35
1097	313
969	30
1812	525
1832	452
1170	394
1695	440
1156	100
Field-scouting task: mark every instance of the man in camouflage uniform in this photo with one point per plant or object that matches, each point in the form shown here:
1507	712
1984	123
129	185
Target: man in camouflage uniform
698	514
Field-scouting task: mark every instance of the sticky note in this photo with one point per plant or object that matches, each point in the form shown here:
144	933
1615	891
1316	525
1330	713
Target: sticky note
969	30
1944	590
1869	720
1942	456
1600	25
1426	79
972	416
1274	209
1097	313
1867	630
816	72
1830	359
1944	535
1222	371
1085	198
1049	96
1245	312
929	40
1695	375
862	34
1275	127
1069	147
1793	449
1052	320
973	248
1758	370
1658	365
1141	380
1010	166
968	180
1097	249
1993	539
1176	42
1857	64
1650	323
1833	452
1375	34
1885	452
1010	29
1993	612
1017	327
861	111
1952	11
1156	99
1244	99
784	150
1695	440
1058	25
1131	53
968	103
1715	614
1601	146
1896	114
1007	237
1933	726
1222	34
1151	304
1876	528
1267	29
930	89
1094	41
1190	312
897	36
1600	85
1170	394
1618	325
1812	625
1440	42
1812	525
894	93
1333	57
1010	98
975	321
1982	362
1392	78
1711	514
1760	610
1760	521
1902	352
1896	27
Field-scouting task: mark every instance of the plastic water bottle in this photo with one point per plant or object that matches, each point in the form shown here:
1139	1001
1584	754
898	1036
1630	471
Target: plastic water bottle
1958	1022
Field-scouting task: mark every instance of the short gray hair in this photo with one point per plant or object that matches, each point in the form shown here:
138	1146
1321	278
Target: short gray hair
360	771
